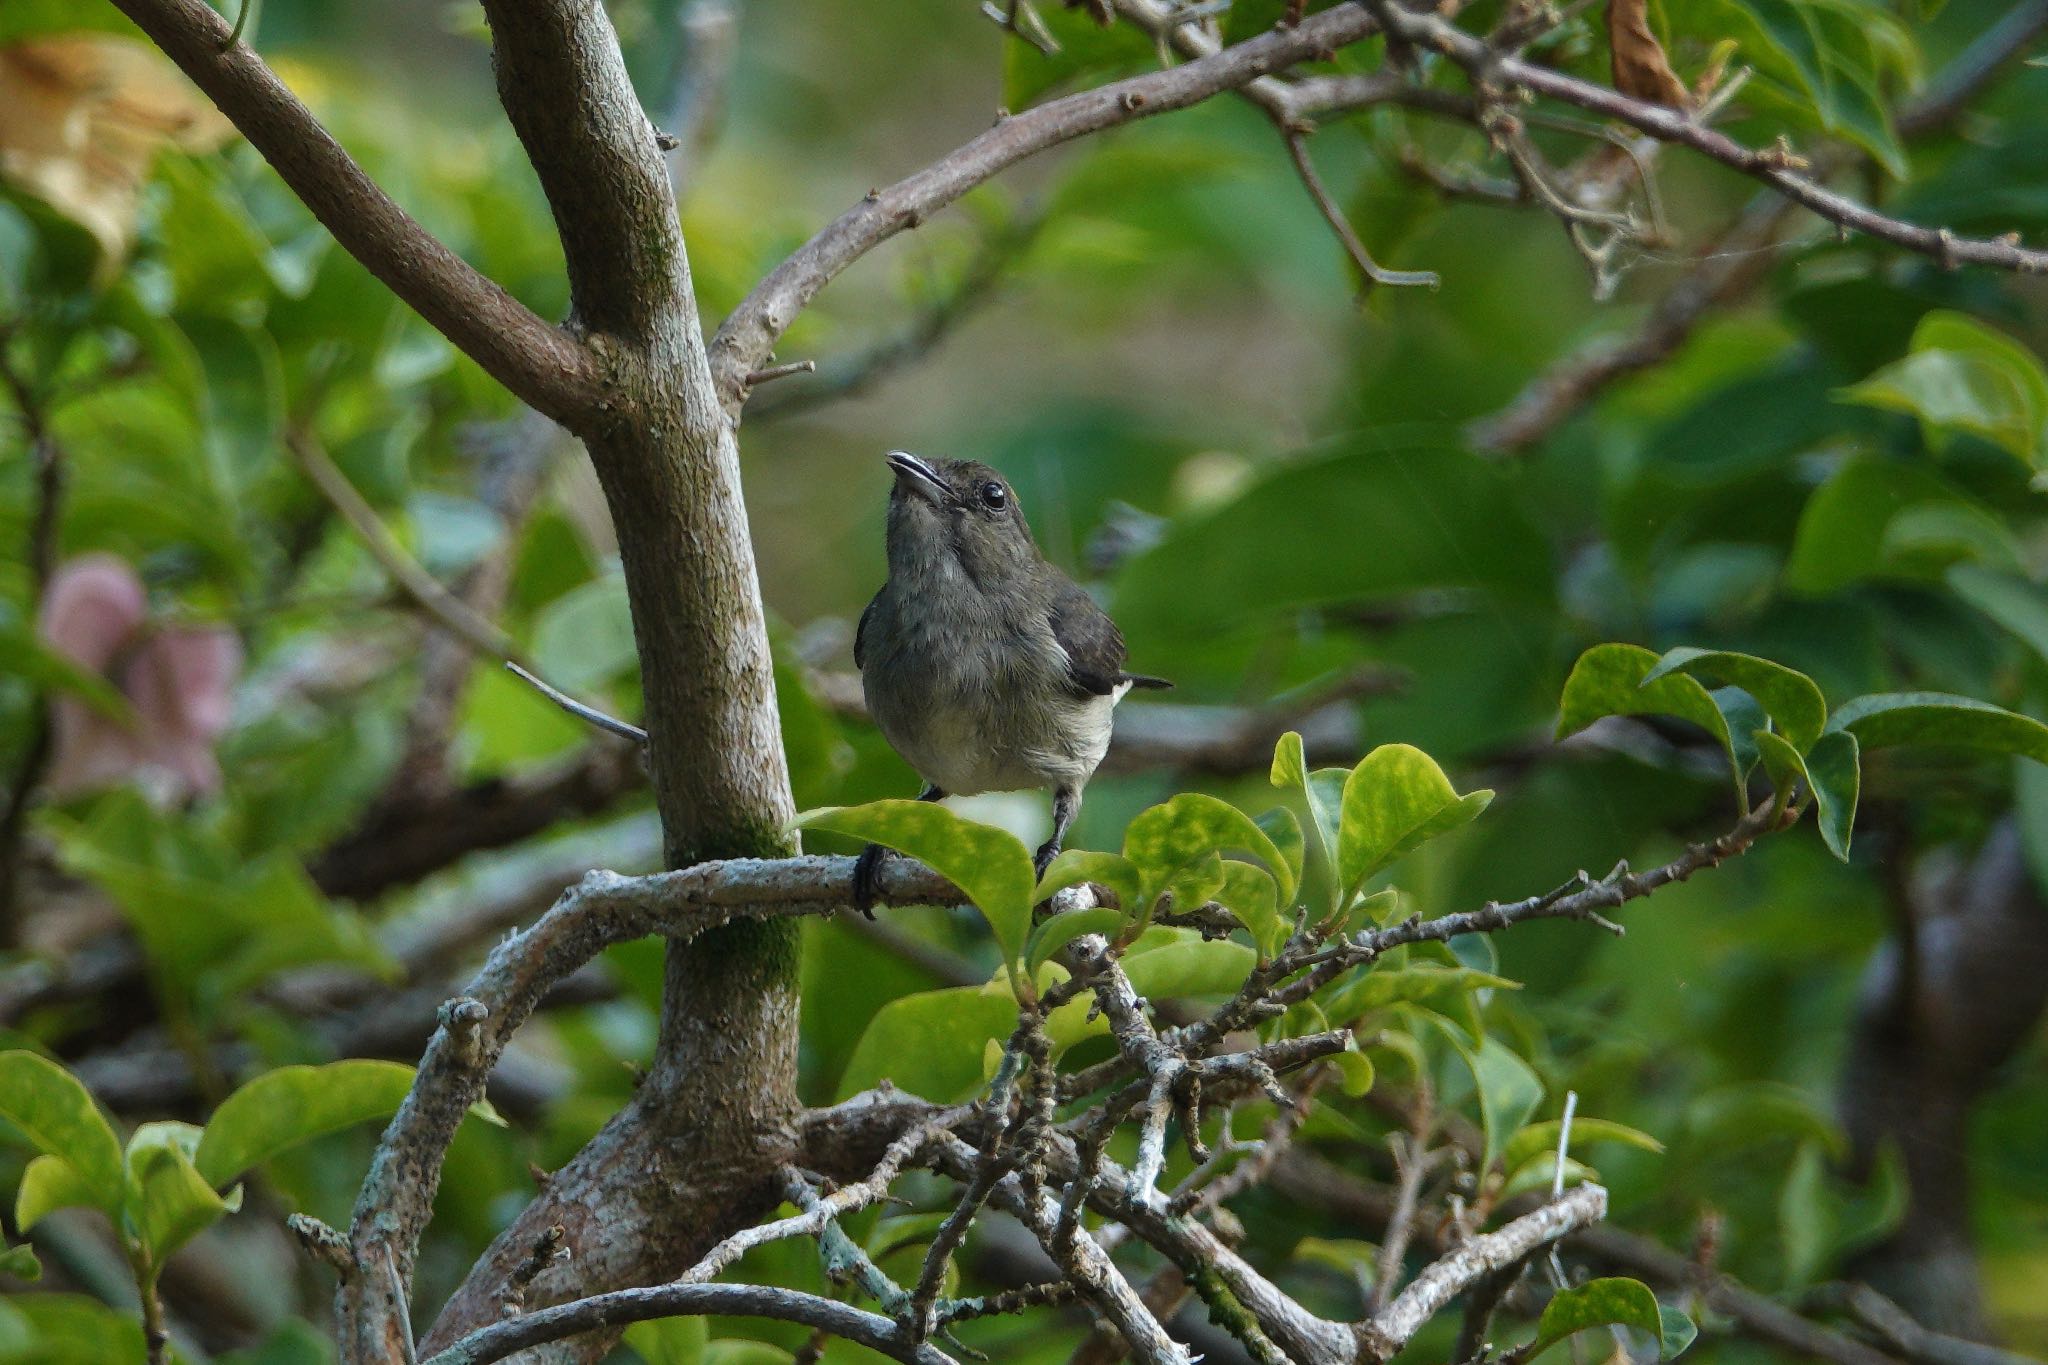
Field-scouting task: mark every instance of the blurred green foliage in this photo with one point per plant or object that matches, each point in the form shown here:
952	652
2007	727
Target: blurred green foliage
1842	475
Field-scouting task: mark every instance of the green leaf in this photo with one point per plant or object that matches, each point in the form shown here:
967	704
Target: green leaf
1835	771
1509	1089
1162	839
1840	539
1172	964
1356	1070
1613	680
56	1114
670	1341
1611	1302
294	1104
1888	718
1284	830
20	1262
1377	987
1675	1332
35	662
1395	800
1252	896
1060	930
1792	700
1961	376
169	1202
1321	793
585	637
1540	1139
986	863
1078	865
1805	1219
49	1183
2018	604
930	1043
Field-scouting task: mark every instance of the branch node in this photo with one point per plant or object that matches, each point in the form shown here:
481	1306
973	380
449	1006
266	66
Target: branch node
322	1243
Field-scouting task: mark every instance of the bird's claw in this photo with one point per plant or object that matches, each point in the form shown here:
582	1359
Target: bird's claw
867	878
1042	859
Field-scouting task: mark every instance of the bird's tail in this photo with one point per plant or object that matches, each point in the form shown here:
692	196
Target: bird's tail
1147	681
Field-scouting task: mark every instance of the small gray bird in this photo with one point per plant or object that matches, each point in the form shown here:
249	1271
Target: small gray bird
985	667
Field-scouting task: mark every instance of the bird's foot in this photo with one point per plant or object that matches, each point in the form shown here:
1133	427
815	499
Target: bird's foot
1042	859
867	878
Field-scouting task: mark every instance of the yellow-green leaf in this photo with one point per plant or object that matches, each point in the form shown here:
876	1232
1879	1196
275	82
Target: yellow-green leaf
1395	800
989	865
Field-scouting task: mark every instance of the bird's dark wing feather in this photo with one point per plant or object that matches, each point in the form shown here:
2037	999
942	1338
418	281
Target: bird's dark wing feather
1094	646
860	632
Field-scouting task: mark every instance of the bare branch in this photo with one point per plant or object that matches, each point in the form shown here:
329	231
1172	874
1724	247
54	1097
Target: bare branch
1451	1274
601	910
1374	272
623	1306
563	82
537	362
1487	66
424	590
745	338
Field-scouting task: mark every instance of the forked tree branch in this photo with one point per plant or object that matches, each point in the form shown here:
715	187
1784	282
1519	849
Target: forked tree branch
541	364
746	337
1490	68
1729	267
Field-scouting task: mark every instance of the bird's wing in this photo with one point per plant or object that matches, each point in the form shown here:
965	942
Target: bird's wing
860	632
1093	645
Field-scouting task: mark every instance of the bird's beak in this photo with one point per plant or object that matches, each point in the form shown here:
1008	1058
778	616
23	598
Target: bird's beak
917	476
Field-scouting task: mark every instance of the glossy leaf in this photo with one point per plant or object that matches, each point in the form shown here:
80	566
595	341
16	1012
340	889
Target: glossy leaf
988	864
1540	1139
930	1043
294	1104
56	1114
1961	376
1162	839
1252	896
1610	1302
1396	800
49	1183
1835	769
168	1201
1177	963
1077	865
1376	987
1792	700
20	1262
1609	680
1937	718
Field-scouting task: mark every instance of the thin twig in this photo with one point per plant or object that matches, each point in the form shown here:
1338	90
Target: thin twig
425	591
1374	272
621	728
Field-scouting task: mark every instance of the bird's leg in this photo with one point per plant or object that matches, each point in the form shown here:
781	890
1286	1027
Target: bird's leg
867	869
1066	803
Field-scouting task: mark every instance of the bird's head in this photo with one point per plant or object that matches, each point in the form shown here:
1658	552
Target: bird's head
957	514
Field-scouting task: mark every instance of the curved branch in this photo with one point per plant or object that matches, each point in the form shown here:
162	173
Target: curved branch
746	337
620	1307
1486	66
601	910
563	82
537	362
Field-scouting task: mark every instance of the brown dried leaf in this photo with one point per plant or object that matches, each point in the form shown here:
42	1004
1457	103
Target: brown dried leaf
82	118
1641	70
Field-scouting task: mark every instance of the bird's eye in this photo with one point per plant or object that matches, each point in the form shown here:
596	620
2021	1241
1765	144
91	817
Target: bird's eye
994	495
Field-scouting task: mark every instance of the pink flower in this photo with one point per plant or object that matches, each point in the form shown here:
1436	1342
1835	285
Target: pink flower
179	680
